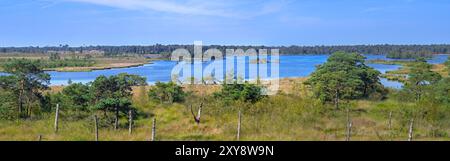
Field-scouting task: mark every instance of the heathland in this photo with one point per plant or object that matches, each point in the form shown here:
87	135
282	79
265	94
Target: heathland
342	100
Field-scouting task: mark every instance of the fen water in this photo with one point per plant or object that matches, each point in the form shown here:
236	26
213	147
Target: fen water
289	66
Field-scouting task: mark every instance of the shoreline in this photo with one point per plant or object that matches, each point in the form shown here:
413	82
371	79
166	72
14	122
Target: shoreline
94	68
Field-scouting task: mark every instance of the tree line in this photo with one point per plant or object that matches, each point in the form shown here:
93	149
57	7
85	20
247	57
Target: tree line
167	49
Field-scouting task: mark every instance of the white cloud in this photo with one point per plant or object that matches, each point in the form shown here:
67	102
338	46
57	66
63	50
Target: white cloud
392	7
156	5
300	21
222	8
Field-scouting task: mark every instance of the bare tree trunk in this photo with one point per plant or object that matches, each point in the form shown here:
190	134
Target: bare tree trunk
199	113
96	127
130	122
153	129
56	118
349	126
239	126
411	126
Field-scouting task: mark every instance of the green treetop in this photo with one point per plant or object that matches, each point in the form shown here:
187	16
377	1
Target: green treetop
345	76
25	81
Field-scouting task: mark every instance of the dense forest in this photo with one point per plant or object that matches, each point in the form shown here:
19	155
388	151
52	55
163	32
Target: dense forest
166	49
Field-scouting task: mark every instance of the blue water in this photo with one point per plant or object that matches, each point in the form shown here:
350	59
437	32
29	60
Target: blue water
290	66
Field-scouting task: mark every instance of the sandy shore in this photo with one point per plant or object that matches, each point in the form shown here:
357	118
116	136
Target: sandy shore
98	67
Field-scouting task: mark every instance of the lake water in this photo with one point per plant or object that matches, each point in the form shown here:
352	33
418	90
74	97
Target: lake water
290	66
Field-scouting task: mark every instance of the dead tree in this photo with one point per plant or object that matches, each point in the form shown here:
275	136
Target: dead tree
56	118
199	113
411	126
239	126
153	130
130	122
96	127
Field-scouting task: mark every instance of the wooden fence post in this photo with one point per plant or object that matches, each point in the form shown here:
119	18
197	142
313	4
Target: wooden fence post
153	129
130	122
349	126
411	126
39	137
56	118
239	126
390	121
96	127
349	131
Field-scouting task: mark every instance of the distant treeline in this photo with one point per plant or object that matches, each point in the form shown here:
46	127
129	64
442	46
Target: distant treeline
167	49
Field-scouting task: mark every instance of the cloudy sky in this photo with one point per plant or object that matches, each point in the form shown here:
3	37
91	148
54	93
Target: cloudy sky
228	22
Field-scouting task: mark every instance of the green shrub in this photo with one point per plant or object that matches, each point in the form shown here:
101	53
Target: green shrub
345	77
78	95
245	92
7	107
167	92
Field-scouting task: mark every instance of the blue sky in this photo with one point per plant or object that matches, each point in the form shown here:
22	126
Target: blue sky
225	22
